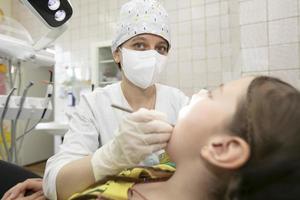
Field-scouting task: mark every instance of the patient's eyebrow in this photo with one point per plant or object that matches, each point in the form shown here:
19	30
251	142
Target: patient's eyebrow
221	86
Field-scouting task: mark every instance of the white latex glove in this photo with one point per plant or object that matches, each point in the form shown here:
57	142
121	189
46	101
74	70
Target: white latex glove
140	134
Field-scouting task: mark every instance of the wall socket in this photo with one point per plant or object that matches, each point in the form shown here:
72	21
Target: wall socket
33	107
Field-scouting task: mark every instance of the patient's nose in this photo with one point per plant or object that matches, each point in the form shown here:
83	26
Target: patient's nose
203	93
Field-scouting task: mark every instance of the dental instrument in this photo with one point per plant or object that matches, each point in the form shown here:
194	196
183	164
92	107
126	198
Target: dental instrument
13	147
48	97
1	123
127	110
121	108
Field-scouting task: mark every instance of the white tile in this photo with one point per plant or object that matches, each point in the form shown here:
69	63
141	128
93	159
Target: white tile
199	82
224	22
198	12
212	9
184	14
279	9
226	50
185	54
93	20
174	41
236	62
298	5
213	23
198	26
170	5
262	73
225	36
211	1
214	79
224	8
183	4
185	28
120	2
198	39
173	56
184	41
290	76
284	56
214	51
172	74
254	35
101	18
255	59
283	31
112	4
174	29
248	8
173	16
213	36
214	65
199	67
92	9
172	68
185	74
196	2
227	77
198	53
226	64
234	7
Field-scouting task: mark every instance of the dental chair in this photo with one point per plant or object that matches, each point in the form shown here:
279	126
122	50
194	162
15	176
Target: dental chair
11	174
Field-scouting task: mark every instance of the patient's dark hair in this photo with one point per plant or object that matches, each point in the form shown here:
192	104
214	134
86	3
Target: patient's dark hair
268	118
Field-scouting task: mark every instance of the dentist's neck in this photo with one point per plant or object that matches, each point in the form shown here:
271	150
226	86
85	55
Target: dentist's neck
138	97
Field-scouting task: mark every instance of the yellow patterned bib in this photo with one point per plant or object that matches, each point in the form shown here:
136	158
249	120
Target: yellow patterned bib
117	187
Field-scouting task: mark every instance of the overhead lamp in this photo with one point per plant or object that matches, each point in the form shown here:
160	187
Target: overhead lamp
54	14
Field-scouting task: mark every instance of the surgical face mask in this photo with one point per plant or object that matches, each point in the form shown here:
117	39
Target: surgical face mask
142	68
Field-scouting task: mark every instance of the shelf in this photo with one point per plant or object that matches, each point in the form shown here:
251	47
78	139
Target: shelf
104	70
106	61
54	128
107	82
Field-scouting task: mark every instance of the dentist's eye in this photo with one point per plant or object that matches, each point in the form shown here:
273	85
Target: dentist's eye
163	50
139	46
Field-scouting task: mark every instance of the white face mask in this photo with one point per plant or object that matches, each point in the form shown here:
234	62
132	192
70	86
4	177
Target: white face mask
142	68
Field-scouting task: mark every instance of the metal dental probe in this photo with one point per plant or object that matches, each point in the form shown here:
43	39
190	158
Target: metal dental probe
126	110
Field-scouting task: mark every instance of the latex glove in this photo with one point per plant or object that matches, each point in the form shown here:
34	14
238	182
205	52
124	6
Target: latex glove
18	192
139	135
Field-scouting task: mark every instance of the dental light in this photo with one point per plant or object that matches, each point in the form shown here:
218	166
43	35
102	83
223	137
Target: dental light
54	14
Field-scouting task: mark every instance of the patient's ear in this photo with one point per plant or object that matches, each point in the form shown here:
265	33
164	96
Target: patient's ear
226	151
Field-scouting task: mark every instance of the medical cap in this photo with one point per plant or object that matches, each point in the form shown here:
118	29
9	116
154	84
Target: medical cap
141	16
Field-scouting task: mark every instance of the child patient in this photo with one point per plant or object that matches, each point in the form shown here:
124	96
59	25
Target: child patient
240	141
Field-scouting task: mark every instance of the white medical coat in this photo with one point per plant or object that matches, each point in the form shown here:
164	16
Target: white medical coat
95	122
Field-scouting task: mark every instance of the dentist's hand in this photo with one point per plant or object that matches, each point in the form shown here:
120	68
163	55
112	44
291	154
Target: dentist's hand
140	134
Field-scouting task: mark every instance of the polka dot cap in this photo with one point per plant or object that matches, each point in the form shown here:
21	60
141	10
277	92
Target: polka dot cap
141	16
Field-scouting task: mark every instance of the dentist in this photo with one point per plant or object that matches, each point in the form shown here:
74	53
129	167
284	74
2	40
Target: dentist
101	140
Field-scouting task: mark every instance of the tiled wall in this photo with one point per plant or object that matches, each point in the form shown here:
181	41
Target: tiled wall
270	38
213	41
